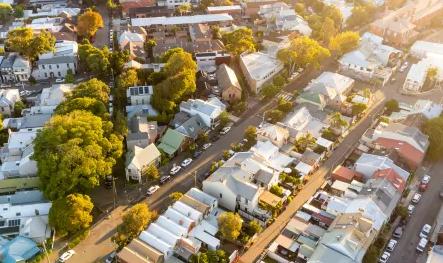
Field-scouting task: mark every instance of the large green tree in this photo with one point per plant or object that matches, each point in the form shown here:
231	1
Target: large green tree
345	42
306	141
250	133
332	12
361	14
134	221
93	105
5	12
308	51
230	225
239	41
70	214
29	45
268	91
93	88
88	23
167	54
117	59
288	58
94	59
434	129
327	30
74	152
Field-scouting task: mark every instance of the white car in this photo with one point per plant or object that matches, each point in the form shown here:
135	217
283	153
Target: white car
5	86
186	162
424	233
175	170
225	130
67	255
411	209
111	257
384	258
416	198
426	179
293	75
206	146
19	84
391	245
59	80
153	189
22	93
422	244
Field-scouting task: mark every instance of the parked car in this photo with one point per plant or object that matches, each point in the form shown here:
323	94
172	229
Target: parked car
225	130
5	86
426	179
215	138
204	177
22	93
186	162
67	255
153	189
61	80
206	146
398	232
384	258
391	245
422	187
110	258
197	153
164	179
111	84
175	170
110	49
422	244
425	231
294	75
411	209
19	84
416	198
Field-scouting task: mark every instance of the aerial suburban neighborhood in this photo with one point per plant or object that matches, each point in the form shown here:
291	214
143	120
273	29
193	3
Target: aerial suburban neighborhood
221	131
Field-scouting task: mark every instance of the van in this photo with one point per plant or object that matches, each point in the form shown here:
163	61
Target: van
164	179
398	232
425	231
422	244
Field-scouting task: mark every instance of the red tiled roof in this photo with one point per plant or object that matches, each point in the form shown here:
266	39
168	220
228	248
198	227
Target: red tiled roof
404	149
135	4
346	175
392	176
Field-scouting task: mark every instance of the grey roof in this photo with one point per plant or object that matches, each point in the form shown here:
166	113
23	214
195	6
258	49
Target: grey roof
226	78
192	126
8	60
23	197
382	193
380	162
29	122
264	177
57	60
410	131
21	62
200	31
179	118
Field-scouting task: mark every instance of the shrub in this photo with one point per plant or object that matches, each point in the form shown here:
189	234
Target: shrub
79	238
39	257
32	80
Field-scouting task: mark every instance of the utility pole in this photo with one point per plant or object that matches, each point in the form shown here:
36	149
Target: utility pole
195	178
46	252
114	190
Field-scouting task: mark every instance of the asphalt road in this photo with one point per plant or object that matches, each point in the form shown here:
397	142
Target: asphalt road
425	212
102	35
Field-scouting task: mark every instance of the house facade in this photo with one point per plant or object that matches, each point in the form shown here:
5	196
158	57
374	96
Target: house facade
227	81
139	159
208	111
56	65
8	97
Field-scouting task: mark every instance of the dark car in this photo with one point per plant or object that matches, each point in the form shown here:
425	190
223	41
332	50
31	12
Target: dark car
164	179
204	177
197	153
215	138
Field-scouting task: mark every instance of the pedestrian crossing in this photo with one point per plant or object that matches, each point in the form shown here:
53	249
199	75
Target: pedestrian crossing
285	95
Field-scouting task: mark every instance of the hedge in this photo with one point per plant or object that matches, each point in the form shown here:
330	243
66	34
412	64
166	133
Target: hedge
39	258
79	238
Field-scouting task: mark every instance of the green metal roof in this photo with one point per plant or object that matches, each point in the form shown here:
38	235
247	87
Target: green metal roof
171	141
12	185
306	241
312	96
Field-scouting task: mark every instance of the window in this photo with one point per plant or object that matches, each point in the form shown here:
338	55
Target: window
68	65
18	214
58	66
9	199
14	222
46	75
246	209
221	196
43	66
3	109
246	201
50	67
2	223
59	74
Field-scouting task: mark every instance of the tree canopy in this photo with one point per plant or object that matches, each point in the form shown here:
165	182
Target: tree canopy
288	58
88	23
70	214
93	88
96	60
239	41
5	12
134	221
29	45
308	51
268	91
230	225
175	196
92	105
434	129
250	133
345	42
74	152
361	14
358	108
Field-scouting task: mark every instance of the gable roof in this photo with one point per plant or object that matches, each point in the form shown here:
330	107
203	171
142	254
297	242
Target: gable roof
135	4
226	78
273	132
140	157
392	176
19	249
404	149
192	126
346	174
171	141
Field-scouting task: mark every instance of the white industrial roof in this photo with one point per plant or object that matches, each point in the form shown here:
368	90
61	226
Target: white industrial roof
28	210
163	234
259	65
201	232
303	168
20	139
226	7
178	20
323	142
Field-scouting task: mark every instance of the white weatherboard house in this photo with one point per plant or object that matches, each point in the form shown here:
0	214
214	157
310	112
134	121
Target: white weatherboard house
416	77
8	97
139	95
49	99
367	164
56	65
207	110
139	159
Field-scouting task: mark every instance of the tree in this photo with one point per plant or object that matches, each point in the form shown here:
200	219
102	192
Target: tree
23	41
93	105
384	119
300	9
224	119
255	227
118	59
225	3
361	14
392	106
366	93
358	108
345	42
209	256
250	133
93	88
279	81
334	13
239	41
216	33
284	105
18	107
88	23
308	51
167	54
288	58
97	62
111	5
434	129
432	73
240	107
401	211
184	8
226	154
274	115
306	141
338	121
2	51
268	91
275	189
70	214
5	12
69	76
175	196
203	136
148	46
151	173
315	22
230	225
180	62
327	30
18	11
74	152
134	222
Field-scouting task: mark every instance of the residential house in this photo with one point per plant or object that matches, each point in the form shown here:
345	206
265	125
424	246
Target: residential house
301	121
422	49
344	7
346	240
414	115
207	61
19	249
190	47
253	7
417	75
173	142
140	110
208	111
371	61
56	65
367	164
168	22
27	122
139	159
346	175
259	68
10	186
279	136
52	10
64	36
21	68
14	68
398	182
139	95
288	20
134	42
399	27
131	8
49	99
6	69
140	252
192	127
141	132
8	97
231	90
233	10
200	32
268	154
274	41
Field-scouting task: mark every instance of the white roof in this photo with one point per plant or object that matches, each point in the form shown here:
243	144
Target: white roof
201	232
27	210
178	218
369	209
379	162
20	139
303	168
156	242
360	99
323	142
337	204
223	8
335	80
145	156
177	20
171	226
342	186
202	197
428	47
259	65
416	74
188	211
163	234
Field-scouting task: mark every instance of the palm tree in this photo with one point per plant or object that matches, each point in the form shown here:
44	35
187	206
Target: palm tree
184	8
306	141
337	120
432	73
